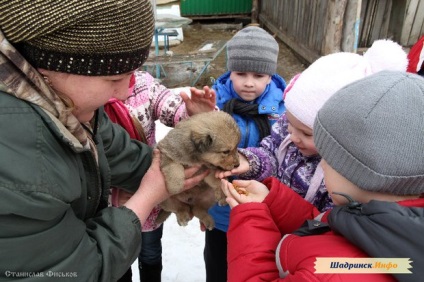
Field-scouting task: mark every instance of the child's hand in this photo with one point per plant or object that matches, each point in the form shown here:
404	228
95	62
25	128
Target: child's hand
200	101
246	191
242	168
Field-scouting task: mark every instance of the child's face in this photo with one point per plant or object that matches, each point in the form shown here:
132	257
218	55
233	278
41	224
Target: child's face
335	182
249	85
301	136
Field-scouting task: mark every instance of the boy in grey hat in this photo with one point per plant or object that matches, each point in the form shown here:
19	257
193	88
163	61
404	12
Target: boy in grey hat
372	146
252	92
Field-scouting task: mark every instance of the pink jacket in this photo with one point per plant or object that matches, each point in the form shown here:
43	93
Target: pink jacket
262	248
150	101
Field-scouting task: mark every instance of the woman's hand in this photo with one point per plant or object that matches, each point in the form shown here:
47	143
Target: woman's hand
242	168
192	178
246	191
152	190
200	101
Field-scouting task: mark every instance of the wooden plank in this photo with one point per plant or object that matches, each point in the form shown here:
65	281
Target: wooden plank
378	23
289	24
384	31
396	19
280	10
313	18
310	16
369	21
350	20
417	27
288	17
255	11
320	25
306	18
363	23
297	17
334	26
300	21
263	7
303	22
274	12
365	26
408	21
308	55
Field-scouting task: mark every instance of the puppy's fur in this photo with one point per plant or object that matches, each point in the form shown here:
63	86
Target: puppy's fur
207	139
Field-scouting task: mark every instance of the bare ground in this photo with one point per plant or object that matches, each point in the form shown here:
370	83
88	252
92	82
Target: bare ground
194	34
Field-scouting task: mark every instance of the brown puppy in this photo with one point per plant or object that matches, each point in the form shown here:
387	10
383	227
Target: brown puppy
207	139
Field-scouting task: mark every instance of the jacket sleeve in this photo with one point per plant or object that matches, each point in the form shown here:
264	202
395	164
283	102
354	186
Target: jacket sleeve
128	159
151	101
252	239
256	228
263	160
288	210
166	106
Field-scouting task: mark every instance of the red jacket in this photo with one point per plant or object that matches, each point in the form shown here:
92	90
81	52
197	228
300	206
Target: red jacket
258	231
416	57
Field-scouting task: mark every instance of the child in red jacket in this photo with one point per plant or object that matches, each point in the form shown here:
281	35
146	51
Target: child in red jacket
370	137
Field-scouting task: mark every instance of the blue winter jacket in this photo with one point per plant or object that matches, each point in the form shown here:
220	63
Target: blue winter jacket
270	103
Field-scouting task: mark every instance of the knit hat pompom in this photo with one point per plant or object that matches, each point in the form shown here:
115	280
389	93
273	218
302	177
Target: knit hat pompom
328	74
371	132
252	49
85	37
386	55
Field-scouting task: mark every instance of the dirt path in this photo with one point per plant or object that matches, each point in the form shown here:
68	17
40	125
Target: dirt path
196	33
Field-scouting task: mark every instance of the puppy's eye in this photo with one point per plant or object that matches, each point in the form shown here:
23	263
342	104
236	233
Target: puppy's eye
226	152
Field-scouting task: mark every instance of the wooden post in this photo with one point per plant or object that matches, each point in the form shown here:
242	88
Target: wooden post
334	26
352	19
255	11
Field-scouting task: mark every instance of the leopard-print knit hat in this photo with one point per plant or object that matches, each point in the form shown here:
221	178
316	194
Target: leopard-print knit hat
85	37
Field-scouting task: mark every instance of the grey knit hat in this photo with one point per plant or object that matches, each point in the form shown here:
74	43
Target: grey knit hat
252	49
86	37
372	133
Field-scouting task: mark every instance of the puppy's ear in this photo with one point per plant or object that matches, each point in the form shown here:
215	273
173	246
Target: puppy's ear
201	140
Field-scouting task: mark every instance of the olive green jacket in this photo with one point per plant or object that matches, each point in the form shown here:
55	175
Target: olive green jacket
51	219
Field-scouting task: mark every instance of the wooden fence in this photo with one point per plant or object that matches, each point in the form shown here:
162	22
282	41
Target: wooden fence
313	28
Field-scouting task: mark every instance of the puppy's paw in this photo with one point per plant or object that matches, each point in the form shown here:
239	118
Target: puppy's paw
220	197
222	202
208	222
183	218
